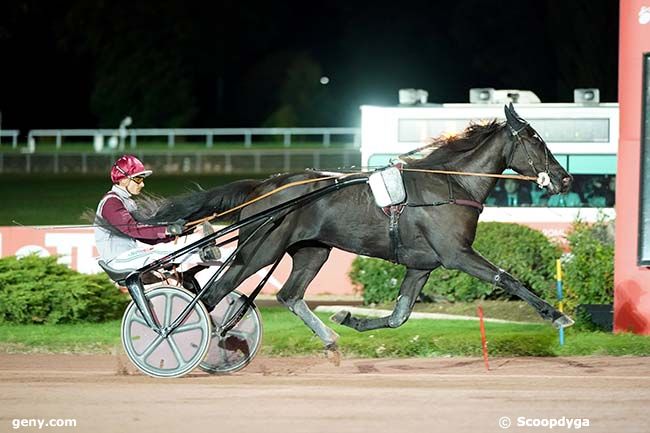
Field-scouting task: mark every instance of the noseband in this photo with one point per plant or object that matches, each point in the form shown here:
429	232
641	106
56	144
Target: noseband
543	178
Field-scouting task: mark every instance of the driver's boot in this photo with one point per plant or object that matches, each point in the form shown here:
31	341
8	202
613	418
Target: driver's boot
209	253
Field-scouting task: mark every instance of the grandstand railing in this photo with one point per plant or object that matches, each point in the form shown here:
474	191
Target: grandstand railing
13	133
209	133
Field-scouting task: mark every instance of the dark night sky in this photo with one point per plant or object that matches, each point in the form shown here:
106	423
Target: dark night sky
76	63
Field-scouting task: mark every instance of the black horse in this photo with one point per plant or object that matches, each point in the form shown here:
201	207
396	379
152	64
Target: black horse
437	226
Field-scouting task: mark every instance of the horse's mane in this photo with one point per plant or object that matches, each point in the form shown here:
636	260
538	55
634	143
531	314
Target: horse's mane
194	204
445	150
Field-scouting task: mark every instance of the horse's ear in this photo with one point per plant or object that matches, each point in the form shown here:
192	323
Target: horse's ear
513	118
517	116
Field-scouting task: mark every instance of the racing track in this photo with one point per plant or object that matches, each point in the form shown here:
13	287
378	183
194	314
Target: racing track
311	395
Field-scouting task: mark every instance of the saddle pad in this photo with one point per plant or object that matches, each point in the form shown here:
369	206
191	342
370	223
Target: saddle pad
387	186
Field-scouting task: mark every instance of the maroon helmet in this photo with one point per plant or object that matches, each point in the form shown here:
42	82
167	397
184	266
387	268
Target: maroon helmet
128	166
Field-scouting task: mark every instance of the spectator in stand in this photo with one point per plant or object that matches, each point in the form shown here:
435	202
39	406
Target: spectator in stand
569	199
512	195
538	196
610	193
594	191
599	192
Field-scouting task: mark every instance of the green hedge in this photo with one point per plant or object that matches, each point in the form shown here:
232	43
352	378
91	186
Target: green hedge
39	290
589	269
524	252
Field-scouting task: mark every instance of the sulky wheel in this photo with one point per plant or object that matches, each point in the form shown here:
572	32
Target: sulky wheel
178	353
238	347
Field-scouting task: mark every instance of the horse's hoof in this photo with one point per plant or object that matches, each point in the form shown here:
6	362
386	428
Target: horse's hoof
341	317
332	354
563	322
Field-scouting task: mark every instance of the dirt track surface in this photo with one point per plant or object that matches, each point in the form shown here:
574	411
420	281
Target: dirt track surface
311	395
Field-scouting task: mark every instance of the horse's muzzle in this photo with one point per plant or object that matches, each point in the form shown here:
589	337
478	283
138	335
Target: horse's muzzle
560	186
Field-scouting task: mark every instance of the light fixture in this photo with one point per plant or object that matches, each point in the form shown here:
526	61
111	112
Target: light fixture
586	96
481	95
413	96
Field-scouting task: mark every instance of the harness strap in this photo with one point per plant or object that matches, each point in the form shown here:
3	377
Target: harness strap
458	201
471	203
451	200
395	211
451	189
393	231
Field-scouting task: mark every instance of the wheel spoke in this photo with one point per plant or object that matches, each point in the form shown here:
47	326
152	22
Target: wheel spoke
176	350
139	320
246	324
168	308
189	327
231	305
223	354
149	350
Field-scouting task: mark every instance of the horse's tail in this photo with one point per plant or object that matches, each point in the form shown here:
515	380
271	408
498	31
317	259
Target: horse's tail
196	204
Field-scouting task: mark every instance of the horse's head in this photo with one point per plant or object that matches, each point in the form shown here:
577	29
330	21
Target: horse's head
529	156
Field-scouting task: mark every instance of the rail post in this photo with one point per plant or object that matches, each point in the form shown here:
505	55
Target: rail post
560	295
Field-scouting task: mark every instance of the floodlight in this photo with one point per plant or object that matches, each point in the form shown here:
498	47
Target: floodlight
586	96
481	95
413	96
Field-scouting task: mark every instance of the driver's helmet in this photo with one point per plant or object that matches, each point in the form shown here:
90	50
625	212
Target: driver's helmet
128	166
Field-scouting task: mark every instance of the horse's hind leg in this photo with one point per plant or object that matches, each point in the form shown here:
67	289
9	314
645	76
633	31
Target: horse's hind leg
476	265
408	293
307	261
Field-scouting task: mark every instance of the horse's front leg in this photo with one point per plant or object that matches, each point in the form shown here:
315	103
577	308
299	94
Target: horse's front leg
473	263
408	292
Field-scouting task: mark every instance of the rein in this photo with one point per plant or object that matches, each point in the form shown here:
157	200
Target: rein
469	173
307	181
542	179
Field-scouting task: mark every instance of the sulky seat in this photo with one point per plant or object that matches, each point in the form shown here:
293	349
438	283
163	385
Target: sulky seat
117	275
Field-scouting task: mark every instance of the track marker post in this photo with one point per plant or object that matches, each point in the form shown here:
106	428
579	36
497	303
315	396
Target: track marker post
479	310
560	295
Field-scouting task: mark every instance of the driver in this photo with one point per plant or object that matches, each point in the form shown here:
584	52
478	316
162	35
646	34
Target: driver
117	233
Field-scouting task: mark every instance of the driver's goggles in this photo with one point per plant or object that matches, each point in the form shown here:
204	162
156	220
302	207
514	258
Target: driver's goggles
138	179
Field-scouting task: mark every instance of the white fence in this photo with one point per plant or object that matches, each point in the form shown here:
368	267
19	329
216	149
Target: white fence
247	134
13	133
178	162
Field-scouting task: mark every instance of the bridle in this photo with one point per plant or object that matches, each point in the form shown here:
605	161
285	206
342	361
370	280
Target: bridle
543	178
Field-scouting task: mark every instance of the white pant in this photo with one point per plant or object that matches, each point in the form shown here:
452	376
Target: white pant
141	256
